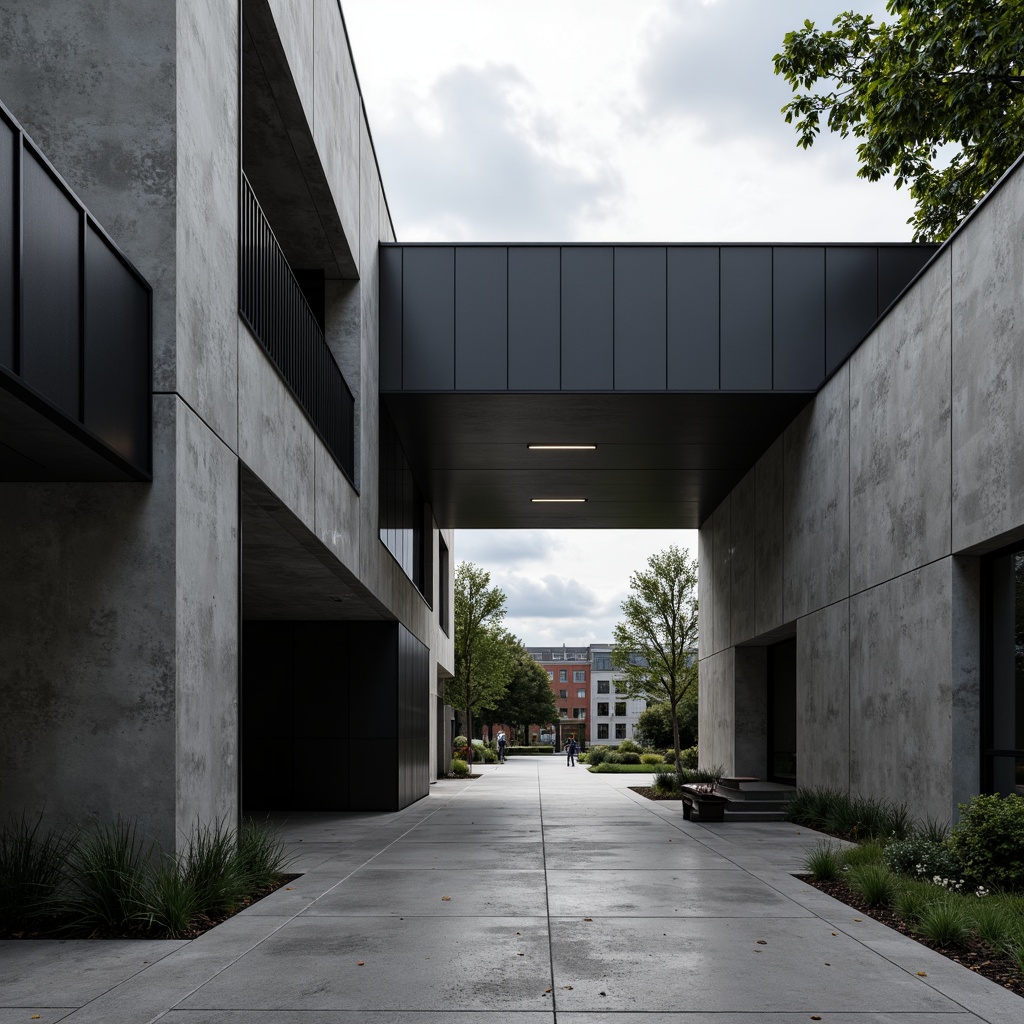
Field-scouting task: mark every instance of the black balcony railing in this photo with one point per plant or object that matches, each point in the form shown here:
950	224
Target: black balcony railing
273	305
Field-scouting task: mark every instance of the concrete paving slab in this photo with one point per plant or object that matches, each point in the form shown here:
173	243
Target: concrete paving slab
343	963
46	1014
531	837
440	892
672	894
733	966
71	972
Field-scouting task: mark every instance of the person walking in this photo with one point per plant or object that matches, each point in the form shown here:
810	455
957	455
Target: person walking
502	743
571	750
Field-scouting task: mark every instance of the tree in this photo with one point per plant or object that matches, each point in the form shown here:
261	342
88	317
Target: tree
483	655
936	95
656	644
528	698
654	726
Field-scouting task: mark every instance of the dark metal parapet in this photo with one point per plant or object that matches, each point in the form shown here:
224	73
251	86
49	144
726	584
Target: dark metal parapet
273	305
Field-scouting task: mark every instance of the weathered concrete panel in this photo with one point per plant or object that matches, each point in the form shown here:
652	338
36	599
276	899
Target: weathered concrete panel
966	679
721	595
294	22
901	700
337	115
103	109
206	618
743	512
706	587
751	707
275	440
988	370
336	508
823	697
816	526
716	715
900	436
769	566
87	647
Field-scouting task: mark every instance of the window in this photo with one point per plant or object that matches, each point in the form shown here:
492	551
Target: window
551	676
563	694
602	731
602	710
402	510
603	661
562	675
579	712
620	707
602	686
579	676
620	687
563	712
620	731
443	616
581	693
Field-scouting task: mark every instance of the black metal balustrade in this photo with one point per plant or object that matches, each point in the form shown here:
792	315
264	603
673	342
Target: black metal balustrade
272	303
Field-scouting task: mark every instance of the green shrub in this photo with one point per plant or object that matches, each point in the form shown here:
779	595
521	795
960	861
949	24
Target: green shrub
944	921
920	857
855	818
865	853
459	767
824	861
912	898
211	865
989	840
651	759
107	869
543	748
31	873
995	921
613	757
261	855
169	901
490	756
597	755
875	883
607	768
666	783
631	757
688	757
630	747
460	741
669	757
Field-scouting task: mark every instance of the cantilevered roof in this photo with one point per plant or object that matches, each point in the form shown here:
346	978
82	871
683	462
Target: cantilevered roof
679	364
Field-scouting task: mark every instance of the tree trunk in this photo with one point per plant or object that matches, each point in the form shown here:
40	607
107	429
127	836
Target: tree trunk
675	733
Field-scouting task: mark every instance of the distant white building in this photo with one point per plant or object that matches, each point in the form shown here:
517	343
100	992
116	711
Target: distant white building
613	717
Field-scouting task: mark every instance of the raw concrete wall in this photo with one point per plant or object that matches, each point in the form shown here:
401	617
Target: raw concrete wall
119	603
859	531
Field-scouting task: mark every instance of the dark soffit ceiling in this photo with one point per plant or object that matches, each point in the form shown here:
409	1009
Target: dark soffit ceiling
662	461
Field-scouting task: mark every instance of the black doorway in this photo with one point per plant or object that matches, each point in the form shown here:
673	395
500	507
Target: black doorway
782	712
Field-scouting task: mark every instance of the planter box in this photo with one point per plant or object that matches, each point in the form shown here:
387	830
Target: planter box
709	806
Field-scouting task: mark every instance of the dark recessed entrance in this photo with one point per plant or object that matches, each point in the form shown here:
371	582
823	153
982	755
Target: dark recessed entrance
782	712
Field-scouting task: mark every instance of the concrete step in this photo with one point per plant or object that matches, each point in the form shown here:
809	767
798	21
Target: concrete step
746	815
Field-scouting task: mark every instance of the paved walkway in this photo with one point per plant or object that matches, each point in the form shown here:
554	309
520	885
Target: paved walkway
535	894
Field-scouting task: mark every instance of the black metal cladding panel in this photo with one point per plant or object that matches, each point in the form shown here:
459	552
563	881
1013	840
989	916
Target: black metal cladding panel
587	360
50	289
481	318
117	369
897	267
798	287
428	319
746	318
534	318
693	317
390	318
640	338
851	299
8	241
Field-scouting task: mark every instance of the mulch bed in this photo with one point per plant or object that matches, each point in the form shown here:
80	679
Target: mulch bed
974	954
652	794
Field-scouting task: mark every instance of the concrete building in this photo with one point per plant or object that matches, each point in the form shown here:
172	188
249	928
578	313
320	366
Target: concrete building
861	587
230	594
613	715
239	421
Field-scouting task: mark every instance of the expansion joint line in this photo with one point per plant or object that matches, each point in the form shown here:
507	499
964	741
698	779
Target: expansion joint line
547	899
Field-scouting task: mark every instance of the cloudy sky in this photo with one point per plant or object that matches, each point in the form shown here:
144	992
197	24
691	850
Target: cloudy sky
598	120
